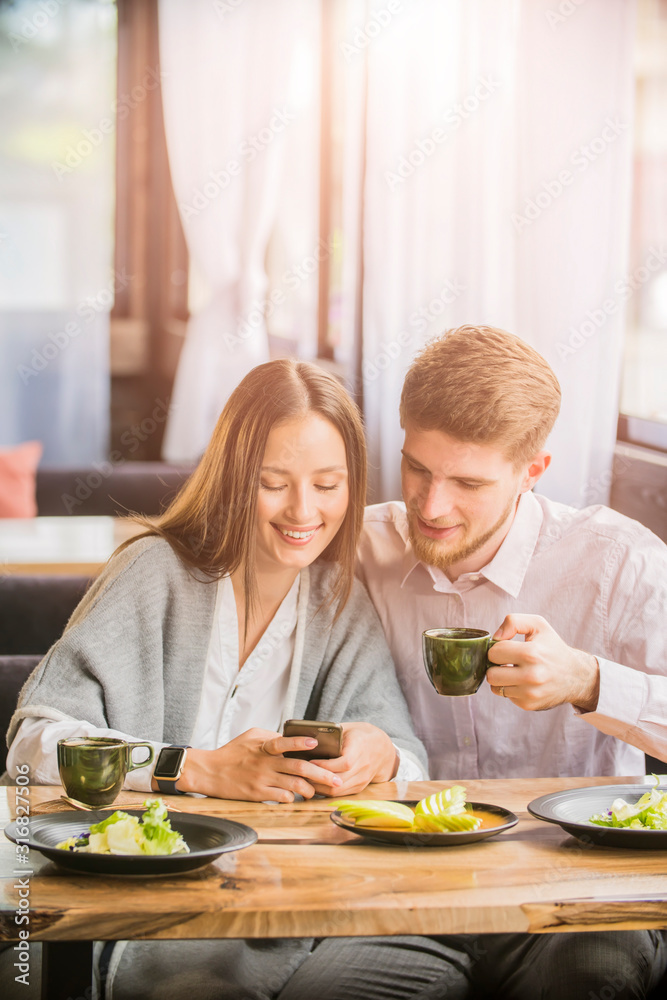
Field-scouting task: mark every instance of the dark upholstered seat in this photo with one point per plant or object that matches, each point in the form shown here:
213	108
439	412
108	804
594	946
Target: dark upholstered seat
33	613
35	609
14	672
141	487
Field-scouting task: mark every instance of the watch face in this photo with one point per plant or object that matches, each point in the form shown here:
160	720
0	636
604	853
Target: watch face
169	762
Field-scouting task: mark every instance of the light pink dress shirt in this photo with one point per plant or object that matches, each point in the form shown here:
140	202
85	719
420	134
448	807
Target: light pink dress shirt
598	578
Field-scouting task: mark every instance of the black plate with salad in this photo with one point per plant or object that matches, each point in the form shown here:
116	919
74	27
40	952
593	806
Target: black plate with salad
109	842
632	816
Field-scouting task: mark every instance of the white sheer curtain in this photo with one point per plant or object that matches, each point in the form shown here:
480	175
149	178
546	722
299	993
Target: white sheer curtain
57	284
241	114
497	191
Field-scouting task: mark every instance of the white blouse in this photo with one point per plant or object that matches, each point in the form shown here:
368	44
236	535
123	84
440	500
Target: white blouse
233	700
261	694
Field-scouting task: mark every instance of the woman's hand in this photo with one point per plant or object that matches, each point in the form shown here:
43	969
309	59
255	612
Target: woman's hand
368	755
252	767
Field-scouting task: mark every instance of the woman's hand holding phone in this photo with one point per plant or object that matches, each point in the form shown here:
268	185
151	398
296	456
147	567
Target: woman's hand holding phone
252	767
368	756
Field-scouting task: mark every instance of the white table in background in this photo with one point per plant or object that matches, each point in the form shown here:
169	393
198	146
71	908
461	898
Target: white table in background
66	545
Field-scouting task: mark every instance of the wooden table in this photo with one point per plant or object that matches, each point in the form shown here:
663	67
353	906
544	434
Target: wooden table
76	545
306	877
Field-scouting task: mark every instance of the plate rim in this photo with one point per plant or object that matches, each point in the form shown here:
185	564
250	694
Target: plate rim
57	854
451	836
585	826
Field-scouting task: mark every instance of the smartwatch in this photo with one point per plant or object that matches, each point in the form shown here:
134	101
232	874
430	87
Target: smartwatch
169	768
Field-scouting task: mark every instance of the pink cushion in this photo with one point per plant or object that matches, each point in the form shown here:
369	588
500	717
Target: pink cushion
17	479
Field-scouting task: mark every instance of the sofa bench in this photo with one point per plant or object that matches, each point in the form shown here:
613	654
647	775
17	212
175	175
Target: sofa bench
14	672
35	609
107	489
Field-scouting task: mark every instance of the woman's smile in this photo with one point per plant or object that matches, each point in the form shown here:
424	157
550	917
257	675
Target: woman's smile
296	536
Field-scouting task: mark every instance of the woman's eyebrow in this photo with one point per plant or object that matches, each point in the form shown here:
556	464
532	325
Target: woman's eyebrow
318	472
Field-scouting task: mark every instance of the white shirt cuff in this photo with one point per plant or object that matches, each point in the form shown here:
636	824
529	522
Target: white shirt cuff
632	706
36	744
409	768
622	694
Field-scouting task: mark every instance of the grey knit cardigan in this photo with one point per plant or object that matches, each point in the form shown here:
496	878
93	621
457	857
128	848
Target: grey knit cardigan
133	654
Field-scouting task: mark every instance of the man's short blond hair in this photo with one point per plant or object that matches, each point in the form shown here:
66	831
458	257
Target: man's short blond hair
484	385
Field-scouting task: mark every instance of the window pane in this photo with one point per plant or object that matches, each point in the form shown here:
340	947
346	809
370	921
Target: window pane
57	154
644	391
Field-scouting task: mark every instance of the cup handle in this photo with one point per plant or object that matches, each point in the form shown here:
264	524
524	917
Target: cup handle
491	642
132	764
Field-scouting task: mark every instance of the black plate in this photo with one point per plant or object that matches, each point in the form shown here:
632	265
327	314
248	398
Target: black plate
413	838
571	809
207	837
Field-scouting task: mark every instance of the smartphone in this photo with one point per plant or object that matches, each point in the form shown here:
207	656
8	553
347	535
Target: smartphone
329	736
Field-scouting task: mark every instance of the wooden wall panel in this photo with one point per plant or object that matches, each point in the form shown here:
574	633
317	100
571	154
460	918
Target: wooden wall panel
639	486
150	245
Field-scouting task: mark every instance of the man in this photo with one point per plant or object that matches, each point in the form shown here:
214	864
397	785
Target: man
584	693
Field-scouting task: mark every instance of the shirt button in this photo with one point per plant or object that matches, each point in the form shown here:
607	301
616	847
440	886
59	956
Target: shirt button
466	741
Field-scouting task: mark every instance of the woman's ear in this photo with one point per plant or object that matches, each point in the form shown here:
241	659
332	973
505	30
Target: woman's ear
536	468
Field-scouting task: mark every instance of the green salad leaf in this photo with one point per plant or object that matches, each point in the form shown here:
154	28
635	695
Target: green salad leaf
121	833
649	813
117	817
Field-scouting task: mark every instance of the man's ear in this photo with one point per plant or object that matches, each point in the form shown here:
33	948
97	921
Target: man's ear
536	468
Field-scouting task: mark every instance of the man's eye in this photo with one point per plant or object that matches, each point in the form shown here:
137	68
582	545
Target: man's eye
471	486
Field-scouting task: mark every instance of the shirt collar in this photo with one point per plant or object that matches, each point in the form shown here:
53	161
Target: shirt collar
508	567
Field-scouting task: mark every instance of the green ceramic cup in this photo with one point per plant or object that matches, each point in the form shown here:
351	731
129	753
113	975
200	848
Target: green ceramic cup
93	768
456	658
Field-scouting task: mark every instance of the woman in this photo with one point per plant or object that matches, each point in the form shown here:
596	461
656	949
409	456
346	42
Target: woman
234	611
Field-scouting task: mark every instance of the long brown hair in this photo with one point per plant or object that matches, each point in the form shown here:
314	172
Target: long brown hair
211	523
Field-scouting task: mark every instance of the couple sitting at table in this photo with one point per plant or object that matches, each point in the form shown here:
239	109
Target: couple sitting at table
159	650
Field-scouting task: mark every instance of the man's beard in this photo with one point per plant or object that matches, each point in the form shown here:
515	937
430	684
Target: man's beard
432	552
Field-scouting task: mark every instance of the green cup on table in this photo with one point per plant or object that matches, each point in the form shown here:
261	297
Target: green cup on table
93	768
456	658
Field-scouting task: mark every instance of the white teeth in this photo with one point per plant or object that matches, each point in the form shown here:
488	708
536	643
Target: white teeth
297	534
